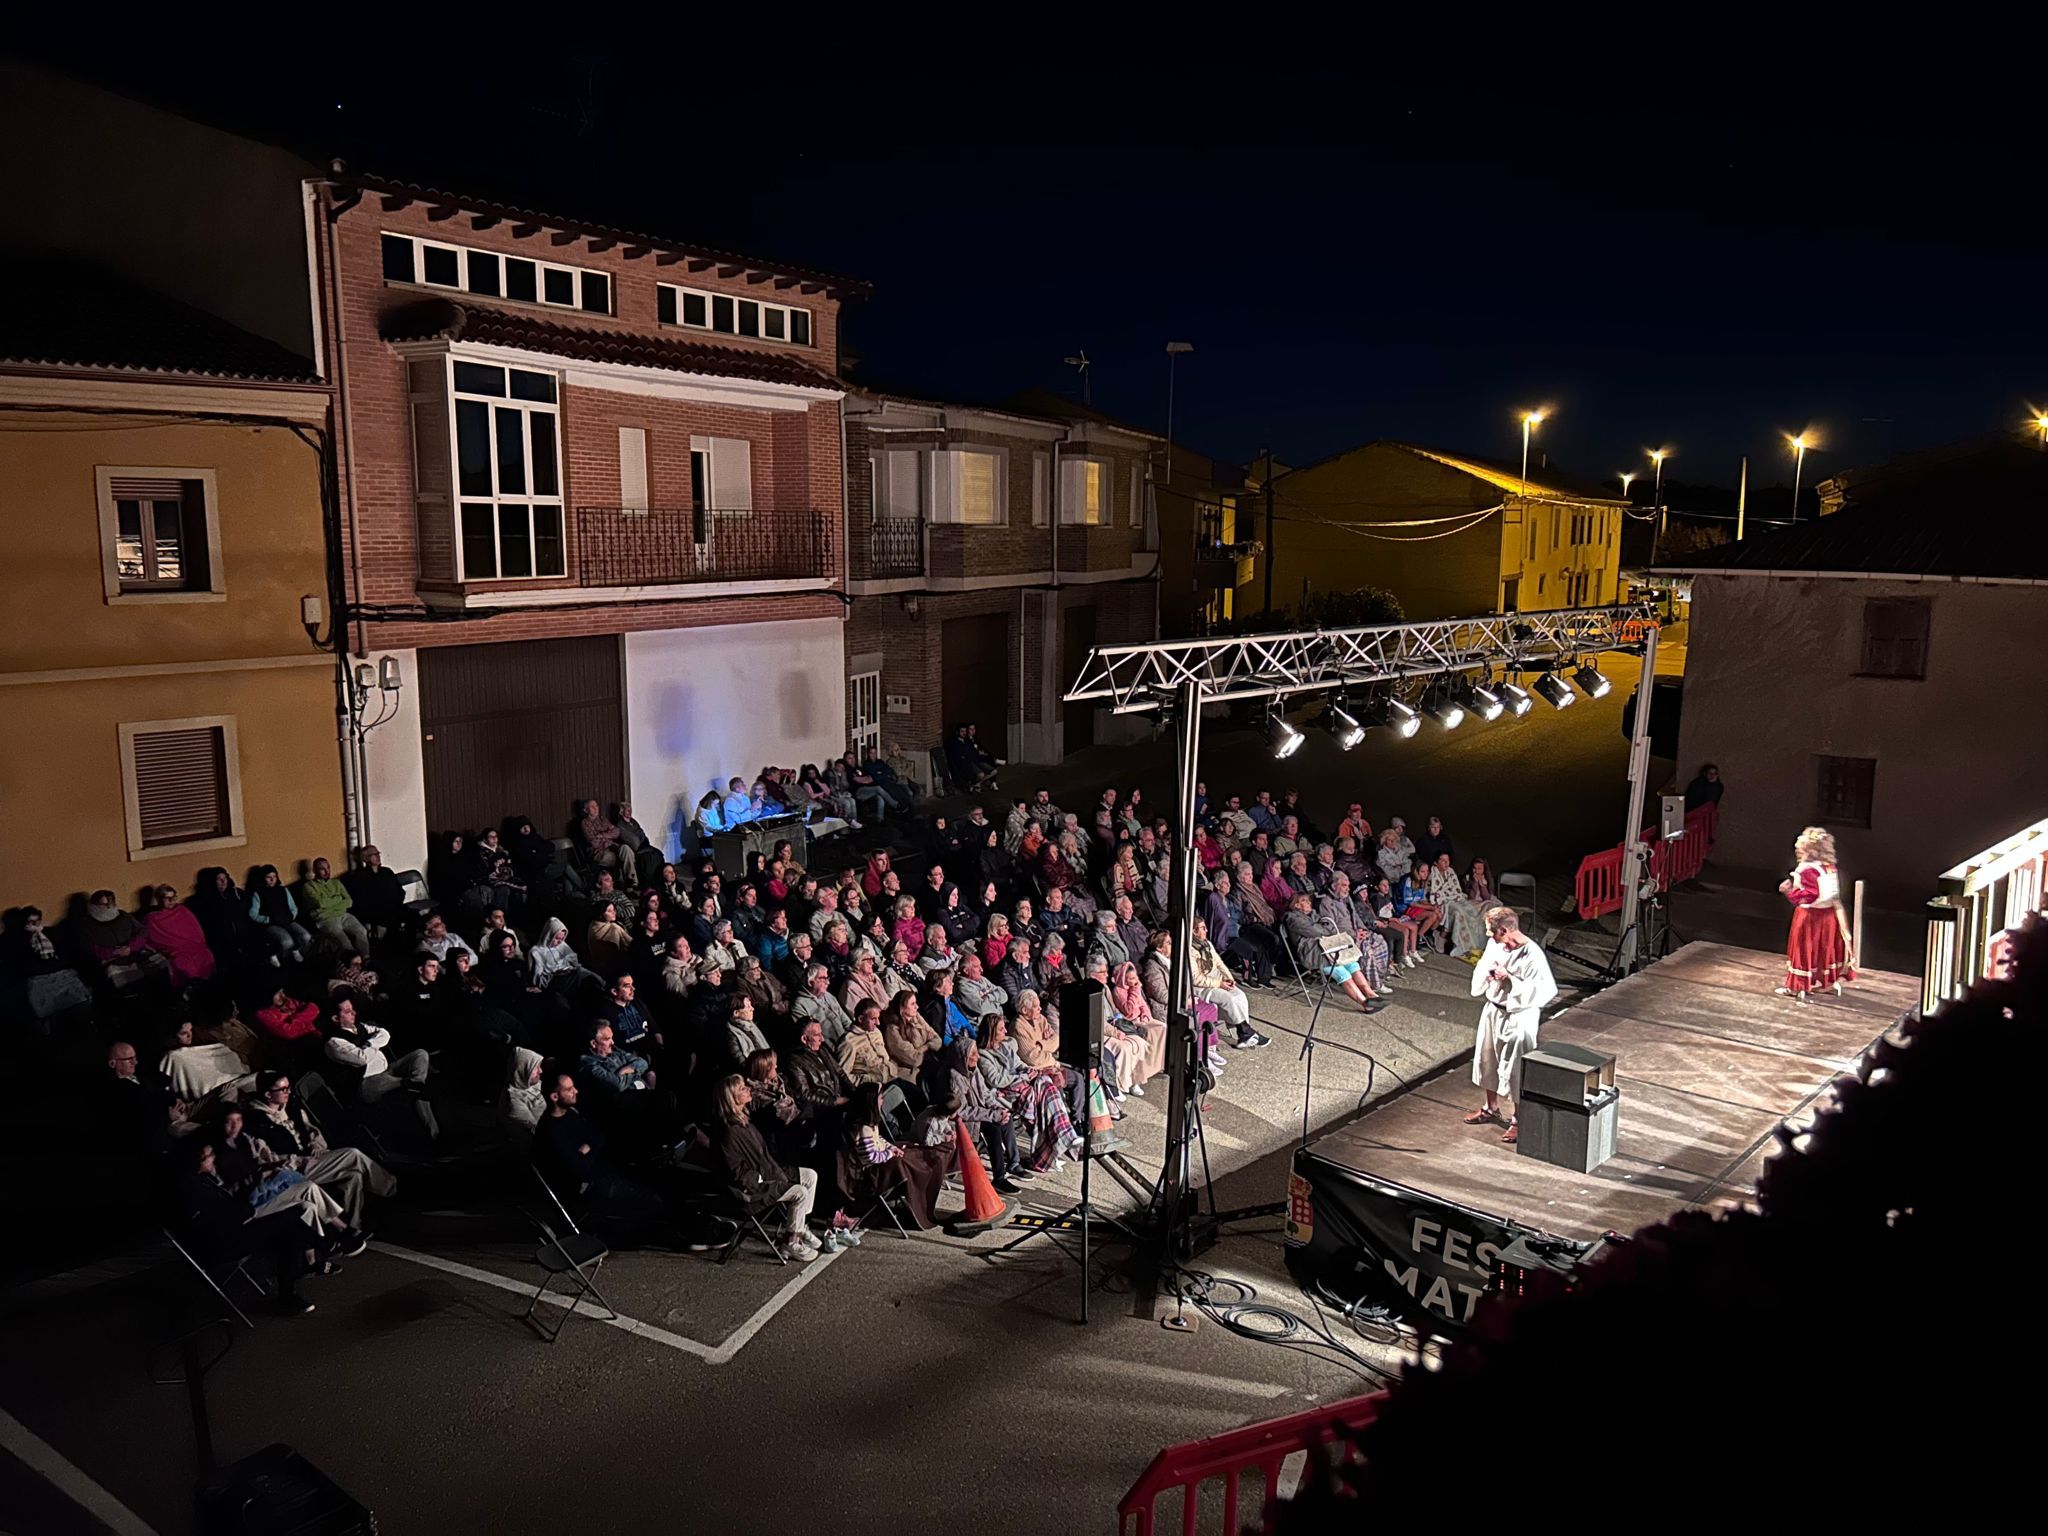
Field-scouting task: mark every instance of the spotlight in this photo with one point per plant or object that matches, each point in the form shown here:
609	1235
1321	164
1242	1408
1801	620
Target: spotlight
1590	682
1441	707
1283	738
1554	692
1343	725
1480	700
1516	698
1395	716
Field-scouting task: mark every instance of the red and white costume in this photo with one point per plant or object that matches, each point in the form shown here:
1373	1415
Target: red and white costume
1817	953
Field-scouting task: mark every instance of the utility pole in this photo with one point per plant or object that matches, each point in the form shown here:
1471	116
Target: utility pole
1742	499
1269	532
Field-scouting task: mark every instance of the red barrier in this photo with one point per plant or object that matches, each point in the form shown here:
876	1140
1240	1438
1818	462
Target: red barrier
1229	1456
1597	888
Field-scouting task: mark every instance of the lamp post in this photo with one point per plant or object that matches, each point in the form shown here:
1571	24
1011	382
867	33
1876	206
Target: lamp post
1531	420
2041	426
1626	477
1799	442
1174	349
1657	457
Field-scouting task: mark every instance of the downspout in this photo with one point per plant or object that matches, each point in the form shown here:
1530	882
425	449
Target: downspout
355	745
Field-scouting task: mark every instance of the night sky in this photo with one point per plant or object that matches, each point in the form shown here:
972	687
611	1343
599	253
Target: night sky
1362	237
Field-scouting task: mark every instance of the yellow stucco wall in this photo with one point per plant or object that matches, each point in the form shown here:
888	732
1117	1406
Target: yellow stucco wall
63	814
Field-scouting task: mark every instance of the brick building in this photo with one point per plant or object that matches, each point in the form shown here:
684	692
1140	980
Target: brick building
988	551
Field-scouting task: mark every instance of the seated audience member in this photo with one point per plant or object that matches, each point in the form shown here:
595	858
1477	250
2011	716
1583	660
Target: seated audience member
1464	921
328	909
1402	934
773	942
286	1020
1132	1014
1130	928
598	836
1155	973
863	984
1411	901
440	941
976	994
937	954
968	766
1353	864
352	973
762	1183
278	1118
1034	1032
1306	932
525	1100
1214	984
627	1018
610	1068
907	771
795	972
354	1044
1288	841
641	856
376	895
995	943
709	817
724	947
775	1110
907	1038
769	995
119	943
736	806
942	1010
1347	914
1014	976
743	1034
1389	857
536	858
1051	970
813	1075
1105	942
574	1155
957	1088
1354	825
223	1228
174	931
249	1170
1479	885
707	1009
871	1164
862	1053
608	946
606	890
197	1066
134	1110
818	1005
223	913
1433	842
275	916
1223	916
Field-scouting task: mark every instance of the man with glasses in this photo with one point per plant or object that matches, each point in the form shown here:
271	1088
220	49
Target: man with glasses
278	1119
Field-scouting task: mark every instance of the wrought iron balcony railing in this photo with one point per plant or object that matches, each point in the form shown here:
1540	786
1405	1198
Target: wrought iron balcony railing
624	547
887	546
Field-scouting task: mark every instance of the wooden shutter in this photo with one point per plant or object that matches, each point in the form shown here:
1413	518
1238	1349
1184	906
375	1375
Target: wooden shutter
181	785
633	469
148	488
732	474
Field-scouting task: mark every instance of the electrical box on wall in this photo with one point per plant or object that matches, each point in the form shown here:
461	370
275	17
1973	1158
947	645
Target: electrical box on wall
897	703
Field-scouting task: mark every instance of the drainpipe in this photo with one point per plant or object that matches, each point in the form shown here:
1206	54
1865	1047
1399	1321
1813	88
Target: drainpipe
355	755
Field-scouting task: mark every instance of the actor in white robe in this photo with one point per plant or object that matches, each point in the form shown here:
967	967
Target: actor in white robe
1514	978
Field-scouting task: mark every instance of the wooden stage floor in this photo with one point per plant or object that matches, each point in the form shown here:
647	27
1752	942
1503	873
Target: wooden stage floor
1708	1061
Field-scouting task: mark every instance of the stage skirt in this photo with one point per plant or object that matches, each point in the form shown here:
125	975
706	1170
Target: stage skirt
1815	956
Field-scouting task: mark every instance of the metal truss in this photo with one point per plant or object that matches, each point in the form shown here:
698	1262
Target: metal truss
1137	678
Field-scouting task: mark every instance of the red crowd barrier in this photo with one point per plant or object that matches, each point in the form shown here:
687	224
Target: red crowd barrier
1597	888
1230	1456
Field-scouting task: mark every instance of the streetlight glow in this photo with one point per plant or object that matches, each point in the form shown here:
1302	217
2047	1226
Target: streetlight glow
1799	442
1531	420
1626	477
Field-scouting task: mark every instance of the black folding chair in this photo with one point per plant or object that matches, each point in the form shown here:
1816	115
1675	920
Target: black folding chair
575	1259
240	1271
745	1219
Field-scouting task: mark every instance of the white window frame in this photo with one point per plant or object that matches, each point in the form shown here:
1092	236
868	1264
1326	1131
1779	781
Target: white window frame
947	481
422	243
1076	516
632	467
131	797
104	476
867	736
1137	494
716	465
458	498
882	509
1041	485
766	306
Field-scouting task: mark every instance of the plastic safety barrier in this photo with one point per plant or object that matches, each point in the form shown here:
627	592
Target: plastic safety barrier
1224	1463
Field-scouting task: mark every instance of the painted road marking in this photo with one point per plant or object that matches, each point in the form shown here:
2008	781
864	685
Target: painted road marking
44	1459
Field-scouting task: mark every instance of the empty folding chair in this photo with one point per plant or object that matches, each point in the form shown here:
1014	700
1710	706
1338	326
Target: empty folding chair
575	1259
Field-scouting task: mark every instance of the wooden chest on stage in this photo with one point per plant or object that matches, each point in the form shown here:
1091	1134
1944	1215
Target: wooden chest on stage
1569	1108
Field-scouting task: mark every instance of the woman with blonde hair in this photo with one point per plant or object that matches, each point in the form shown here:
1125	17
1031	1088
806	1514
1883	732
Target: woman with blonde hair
1817	952
995	943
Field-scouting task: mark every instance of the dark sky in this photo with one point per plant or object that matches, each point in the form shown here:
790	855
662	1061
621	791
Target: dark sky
1362	235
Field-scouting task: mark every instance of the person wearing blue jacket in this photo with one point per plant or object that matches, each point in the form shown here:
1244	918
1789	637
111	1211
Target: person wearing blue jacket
276	917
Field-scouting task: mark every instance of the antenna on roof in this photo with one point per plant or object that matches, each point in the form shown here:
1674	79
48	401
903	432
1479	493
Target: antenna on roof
1080	361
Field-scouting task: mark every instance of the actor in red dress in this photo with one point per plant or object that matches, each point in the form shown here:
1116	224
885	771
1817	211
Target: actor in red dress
1817	954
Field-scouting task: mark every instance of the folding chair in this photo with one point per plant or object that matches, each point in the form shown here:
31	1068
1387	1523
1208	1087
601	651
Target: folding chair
577	1259
239	1272
886	1201
1301	986
902	1102
745	1217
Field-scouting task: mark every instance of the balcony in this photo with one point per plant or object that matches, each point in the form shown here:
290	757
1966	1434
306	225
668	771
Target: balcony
887	547
625	547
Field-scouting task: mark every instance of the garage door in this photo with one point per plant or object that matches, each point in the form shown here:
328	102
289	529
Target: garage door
1077	639
528	729
976	678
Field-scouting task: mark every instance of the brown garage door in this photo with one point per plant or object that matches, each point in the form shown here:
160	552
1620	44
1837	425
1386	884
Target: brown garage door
976	679
527	728
1077	639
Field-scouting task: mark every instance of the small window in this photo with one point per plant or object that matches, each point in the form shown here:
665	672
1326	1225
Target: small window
479	379
479	542
1895	637
559	286
665	304
695	310
182	784
977	488
441	265
522	280
750	318
398	267
597	293
722	314
800	327
774	323
1844	790
528	385
159	535
483	273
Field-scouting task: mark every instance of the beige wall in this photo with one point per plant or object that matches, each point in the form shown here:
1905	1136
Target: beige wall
63	824
1770	682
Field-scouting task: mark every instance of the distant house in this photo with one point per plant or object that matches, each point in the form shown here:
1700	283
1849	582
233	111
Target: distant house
1878	671
1448	534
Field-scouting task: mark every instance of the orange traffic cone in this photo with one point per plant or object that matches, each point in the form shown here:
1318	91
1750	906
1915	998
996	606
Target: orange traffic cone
985	1208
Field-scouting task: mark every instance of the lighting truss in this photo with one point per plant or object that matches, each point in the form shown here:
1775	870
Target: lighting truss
1133	679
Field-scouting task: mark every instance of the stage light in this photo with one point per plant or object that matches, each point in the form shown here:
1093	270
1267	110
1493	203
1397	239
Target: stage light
1446	711
1516	698
1283	738
1343	725
1395	716
1480	700
1554	692
1590	682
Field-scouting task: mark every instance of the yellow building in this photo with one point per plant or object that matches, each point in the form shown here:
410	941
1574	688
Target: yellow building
1446	533
160	492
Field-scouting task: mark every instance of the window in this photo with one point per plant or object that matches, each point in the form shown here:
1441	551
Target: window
490	275
633	469
1041	466
1137	495
723	481
159	534
1843	791
700	311
1895	637
1084	491
507	473
899	485
967	487
181	783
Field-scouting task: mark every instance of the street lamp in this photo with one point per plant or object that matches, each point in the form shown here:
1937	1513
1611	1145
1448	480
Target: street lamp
1531	420
1657	457
1174	349
1799	442
2041	426
1626	477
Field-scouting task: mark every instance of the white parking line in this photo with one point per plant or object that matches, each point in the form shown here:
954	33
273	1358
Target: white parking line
710	1354
42	1458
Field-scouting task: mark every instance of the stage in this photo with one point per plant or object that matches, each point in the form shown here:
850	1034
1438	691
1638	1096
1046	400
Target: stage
1407	1206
